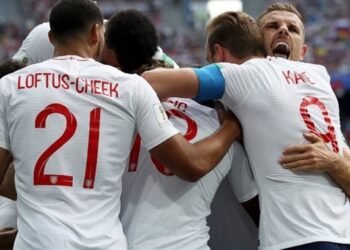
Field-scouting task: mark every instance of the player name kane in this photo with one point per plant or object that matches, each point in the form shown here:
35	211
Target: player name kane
63	81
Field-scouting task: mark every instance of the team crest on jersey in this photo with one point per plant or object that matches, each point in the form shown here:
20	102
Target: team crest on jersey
25	60
160	113
53	179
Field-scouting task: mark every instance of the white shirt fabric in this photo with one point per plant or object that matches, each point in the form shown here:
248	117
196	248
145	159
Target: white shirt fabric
36	47
161	211
8	213
272	97
64	119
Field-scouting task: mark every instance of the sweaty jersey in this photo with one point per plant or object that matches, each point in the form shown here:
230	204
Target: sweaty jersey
276	101
161	211
70	123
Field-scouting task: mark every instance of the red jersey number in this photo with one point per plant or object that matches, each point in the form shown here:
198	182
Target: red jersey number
40	178
330	136
189	135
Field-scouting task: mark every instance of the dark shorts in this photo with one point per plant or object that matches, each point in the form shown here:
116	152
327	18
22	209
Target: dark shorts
322	246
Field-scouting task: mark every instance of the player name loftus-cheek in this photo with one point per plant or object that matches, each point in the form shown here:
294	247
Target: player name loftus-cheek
58	81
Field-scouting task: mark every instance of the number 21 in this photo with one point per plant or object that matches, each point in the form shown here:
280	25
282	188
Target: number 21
40	178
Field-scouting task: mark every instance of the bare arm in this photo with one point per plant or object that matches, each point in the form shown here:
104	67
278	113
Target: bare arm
318	158
7	238
5	160
173	82
7	187
192	161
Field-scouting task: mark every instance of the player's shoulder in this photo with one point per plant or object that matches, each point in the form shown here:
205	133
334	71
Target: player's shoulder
36	47
315	66
41	28
283	61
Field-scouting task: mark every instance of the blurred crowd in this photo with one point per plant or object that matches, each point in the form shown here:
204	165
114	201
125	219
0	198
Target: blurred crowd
327	35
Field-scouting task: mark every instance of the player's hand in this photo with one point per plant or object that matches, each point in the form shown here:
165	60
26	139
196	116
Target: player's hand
314	157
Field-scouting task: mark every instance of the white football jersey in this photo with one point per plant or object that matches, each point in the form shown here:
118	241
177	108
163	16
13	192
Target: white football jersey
36	47
276	101
8	213
70	123
161	211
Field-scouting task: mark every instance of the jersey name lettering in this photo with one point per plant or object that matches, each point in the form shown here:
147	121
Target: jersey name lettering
178	104
293	77
62	81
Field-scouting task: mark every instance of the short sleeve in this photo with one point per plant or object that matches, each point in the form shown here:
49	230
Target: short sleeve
239	81
152	121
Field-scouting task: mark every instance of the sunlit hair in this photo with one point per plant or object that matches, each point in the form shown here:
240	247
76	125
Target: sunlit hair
237	32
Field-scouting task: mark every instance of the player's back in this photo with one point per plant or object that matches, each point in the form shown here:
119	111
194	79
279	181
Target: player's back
161	211
276	101
71	123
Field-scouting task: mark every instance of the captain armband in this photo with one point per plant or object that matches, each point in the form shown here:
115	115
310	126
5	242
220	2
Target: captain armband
211	83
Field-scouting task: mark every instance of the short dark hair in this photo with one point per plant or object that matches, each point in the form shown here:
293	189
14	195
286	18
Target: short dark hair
10	66
69	18
133	38
236	31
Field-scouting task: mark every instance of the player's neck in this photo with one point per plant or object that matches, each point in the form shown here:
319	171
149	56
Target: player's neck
240	61
81	51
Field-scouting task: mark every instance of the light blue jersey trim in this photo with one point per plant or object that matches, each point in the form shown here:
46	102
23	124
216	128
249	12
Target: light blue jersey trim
211	83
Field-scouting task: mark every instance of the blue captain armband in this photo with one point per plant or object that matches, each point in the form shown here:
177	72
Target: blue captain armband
211	83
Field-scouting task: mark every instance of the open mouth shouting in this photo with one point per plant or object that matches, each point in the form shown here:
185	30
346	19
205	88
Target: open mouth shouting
281	49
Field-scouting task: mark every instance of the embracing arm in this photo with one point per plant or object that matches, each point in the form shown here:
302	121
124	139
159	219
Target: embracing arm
5	160
192	161
6	174
173	82
206	83
7	187
317	157
341	172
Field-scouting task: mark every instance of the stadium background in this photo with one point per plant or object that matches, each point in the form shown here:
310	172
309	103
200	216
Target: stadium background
181	23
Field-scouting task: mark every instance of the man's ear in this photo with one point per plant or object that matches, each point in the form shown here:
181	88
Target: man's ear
95	34
219	53
303	52
51	39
